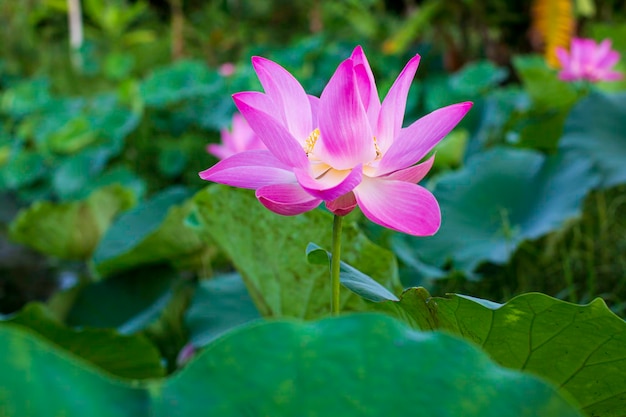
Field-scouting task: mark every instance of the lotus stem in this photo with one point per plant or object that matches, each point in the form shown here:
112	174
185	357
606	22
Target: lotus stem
335	262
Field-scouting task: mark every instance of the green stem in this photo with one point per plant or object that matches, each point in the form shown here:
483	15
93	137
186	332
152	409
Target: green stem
335	260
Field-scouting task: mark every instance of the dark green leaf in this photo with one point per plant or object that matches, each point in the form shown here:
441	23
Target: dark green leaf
26	97
218	305
477	77
152	232
542	83
128	302
22	169
499	199
76	172
180	81
125	356
595	129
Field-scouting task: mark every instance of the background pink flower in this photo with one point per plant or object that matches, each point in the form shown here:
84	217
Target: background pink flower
240	138
588	60
227	69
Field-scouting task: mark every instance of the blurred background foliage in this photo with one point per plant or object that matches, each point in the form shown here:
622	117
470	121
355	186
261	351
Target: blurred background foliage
101	143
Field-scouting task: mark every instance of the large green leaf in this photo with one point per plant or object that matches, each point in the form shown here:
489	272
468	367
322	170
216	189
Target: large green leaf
580	348
596	129
21	169
180	81
70	230
138	296
39	379
26	97
76	173
218	305
477	77
101	347
500	198
152	232
269	252
285	368
72	137
542	83
542	126
117	175
151	300
112	121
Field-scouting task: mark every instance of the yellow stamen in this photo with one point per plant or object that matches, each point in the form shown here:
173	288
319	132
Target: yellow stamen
378	152
310	141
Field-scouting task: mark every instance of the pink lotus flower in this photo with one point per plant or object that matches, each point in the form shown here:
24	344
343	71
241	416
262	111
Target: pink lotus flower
588	60
240	138
227	69
345	148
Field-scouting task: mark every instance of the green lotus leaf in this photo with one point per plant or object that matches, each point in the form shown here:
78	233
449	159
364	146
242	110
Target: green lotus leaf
268	250
219	304
70	230
139	297
75	135
101	347
180	81
542	83
152	232
581	349
357	365
20	169
499	199
595	128
26	97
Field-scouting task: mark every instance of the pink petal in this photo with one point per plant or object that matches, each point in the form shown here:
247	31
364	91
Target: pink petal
343	205
415	141
399	205
602	49
413	174
563	56
612	76
286	199
250	169
330	185
608	60
291	99
346	138
366	85
394	105
358	58
219	151
273	134
259	101
242	138
314	102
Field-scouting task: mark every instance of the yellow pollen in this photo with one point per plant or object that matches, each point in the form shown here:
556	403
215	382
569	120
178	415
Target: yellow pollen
378	152
309	143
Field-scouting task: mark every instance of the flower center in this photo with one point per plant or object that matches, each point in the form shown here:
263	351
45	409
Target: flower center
309	143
